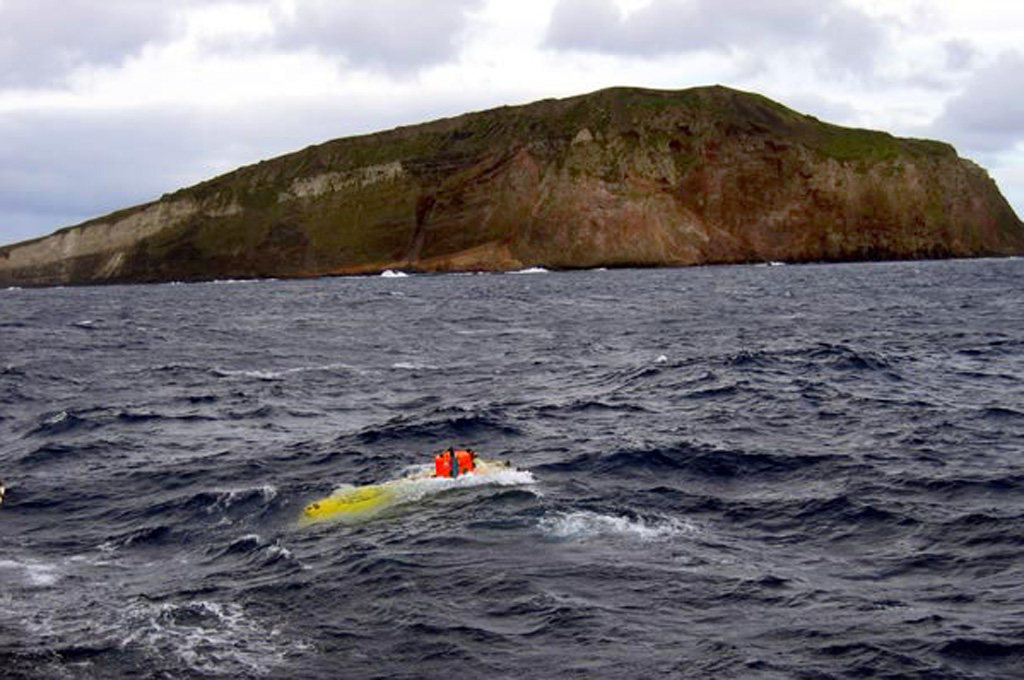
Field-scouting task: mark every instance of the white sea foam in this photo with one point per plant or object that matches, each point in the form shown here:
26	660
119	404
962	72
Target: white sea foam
255	542
393	274
279	551
226	498
586	525
210	638
531	270
57	418
33	572
229	497
412	366
277	375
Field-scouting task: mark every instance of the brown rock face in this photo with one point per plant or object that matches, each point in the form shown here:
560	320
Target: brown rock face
620	177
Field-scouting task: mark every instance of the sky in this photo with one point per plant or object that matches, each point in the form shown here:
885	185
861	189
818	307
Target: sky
105	104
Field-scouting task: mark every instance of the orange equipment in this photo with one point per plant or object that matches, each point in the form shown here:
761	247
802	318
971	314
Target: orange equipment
465	462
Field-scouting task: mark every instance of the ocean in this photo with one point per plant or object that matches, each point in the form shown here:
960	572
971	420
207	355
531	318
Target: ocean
809	471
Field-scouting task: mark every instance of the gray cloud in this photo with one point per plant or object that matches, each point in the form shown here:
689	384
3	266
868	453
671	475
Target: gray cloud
42	41
848	37
396	35
960	54
988	115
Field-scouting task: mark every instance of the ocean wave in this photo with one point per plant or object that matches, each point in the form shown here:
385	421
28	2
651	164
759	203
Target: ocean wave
54	453
229	282
63	422
844	358
221	500
254	545
1001	413
531	270
208	506
439	426
699	459
981	649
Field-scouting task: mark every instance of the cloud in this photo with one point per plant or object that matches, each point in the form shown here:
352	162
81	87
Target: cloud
960	54
849	38
988	114
395	35
42	41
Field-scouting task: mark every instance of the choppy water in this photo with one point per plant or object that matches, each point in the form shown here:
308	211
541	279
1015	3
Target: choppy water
736	472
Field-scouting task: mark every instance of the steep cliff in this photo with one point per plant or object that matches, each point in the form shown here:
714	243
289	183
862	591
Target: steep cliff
620	177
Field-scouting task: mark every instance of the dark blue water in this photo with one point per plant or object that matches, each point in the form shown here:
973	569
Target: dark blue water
736	472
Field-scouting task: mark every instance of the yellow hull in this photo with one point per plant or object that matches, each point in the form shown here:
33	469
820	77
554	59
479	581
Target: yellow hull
351	503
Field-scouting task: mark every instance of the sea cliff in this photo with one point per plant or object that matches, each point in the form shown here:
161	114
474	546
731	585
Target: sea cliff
620	177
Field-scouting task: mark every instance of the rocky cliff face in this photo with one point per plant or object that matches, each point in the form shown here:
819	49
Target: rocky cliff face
621	177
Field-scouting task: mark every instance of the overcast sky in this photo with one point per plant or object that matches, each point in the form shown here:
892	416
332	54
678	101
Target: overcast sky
108	103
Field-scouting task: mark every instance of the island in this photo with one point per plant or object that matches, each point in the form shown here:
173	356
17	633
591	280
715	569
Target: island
622	177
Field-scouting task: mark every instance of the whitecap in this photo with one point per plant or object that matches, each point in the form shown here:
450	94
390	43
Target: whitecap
247	373
269	375
210	638
35	573
276	550
586	525
412	366
228	497
393	274
57	418
531	270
